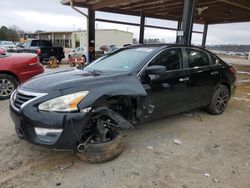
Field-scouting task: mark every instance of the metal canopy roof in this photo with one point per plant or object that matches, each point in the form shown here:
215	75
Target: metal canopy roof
207	11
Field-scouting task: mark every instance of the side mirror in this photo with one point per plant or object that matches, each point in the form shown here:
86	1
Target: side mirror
155	70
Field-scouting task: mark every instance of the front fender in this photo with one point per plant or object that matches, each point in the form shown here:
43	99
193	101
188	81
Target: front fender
130	86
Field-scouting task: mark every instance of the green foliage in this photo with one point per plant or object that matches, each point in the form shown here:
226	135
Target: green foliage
8	34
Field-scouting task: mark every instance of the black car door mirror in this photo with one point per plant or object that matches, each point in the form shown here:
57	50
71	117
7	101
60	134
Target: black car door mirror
155	70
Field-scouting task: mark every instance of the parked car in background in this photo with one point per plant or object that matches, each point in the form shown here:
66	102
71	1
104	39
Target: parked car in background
15	69
108	48
44	50
9	46
77	57
83	109
76	53
78	61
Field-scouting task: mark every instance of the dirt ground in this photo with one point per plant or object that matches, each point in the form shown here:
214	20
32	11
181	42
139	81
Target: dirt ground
214	152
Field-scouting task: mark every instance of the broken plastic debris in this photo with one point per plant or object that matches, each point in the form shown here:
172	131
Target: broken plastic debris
215	180
207	175
177	141
150	147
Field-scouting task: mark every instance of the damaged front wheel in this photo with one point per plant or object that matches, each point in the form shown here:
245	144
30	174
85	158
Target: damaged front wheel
105	139
101	152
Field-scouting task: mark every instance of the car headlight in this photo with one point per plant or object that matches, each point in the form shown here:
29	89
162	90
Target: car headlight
66	103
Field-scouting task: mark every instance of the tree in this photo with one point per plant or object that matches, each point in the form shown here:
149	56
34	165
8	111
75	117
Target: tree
8	34
3	30
11	35
39	31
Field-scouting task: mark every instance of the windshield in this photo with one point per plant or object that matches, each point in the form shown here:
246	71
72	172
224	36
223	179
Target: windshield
121	61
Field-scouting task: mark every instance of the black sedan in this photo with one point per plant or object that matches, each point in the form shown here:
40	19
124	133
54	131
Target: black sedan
133	84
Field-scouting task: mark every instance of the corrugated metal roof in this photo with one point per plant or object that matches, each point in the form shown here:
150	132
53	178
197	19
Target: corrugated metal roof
207	11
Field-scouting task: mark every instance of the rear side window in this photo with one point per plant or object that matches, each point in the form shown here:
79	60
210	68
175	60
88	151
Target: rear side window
197	58
170	58
35	43
215	60
47	43
27	44
44	43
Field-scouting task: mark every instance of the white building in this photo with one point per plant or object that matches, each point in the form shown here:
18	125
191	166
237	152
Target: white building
79	38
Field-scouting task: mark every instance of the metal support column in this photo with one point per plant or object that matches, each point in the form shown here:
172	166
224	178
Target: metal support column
91	33
178	29
204	37
142	23
187	24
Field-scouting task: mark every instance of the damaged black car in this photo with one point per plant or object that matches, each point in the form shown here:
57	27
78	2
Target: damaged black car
87	109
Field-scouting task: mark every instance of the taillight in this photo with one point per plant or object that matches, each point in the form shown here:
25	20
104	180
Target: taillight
38	51
34	61
233	70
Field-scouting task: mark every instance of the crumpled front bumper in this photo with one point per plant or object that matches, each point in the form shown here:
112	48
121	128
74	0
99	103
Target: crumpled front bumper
55	130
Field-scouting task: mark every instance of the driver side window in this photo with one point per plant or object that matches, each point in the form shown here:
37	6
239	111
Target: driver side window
170	58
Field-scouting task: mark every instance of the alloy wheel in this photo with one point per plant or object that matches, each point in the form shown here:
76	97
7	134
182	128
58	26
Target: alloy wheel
221	100
6	87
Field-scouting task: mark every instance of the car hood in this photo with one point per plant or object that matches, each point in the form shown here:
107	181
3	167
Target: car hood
72	78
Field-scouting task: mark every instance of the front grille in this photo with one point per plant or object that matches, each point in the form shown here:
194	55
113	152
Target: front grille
21	98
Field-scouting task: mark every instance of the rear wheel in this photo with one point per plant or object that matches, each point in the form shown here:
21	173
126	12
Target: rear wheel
7	85
219	100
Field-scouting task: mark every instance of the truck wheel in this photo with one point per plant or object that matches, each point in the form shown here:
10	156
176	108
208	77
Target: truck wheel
7	85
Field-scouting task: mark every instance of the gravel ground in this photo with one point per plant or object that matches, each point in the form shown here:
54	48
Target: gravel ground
214	152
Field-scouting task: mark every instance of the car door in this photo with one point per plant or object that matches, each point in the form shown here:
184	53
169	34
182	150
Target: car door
167	93
204	76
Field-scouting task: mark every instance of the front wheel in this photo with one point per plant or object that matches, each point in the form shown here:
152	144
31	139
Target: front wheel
104	141
219	100
7	85
103	151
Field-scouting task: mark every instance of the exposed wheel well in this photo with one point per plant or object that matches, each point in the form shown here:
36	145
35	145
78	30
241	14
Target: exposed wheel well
11	74
126	106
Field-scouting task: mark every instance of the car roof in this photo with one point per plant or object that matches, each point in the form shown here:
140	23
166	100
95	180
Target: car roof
162	45
6	41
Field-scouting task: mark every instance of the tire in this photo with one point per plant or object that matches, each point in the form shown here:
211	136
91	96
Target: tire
102	152
7	85
219	100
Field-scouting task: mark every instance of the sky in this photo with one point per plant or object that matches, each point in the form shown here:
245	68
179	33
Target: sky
50	15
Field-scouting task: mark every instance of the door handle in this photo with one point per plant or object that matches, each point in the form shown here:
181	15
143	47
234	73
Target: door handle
214	73
184	79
